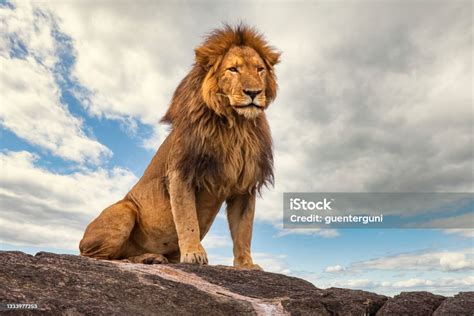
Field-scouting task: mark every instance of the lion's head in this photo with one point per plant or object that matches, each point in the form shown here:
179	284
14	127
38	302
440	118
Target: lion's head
217	111
233	74
240	76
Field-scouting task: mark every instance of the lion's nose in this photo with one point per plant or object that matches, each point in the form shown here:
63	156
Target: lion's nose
252	93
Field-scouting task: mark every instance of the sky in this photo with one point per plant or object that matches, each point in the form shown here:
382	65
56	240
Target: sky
374	97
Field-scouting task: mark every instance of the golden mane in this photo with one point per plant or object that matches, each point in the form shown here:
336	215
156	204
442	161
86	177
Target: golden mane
208	126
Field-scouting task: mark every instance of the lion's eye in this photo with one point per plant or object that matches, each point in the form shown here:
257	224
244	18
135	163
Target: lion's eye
233	69
260	69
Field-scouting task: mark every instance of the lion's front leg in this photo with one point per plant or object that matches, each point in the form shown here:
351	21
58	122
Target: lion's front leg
240	213
183	207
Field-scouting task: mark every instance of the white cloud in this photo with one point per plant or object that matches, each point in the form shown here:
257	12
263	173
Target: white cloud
31	109
31	106
334	269
271	262
323	232
443	286
421	261
123	59
154	141
441	272
467	233
45	235
462	222
414	282
220	260
43	208
216	241
456	261
356	283
360	111
29	25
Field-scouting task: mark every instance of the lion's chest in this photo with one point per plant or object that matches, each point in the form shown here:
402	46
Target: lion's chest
241	170
236	171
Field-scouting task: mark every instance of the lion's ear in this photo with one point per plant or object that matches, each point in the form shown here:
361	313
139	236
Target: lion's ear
272	58
205	58
201	57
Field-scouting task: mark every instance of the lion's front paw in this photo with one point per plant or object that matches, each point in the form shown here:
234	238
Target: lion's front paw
246	263
251	266
197	256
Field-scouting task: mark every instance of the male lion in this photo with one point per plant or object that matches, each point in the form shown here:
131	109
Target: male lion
219	149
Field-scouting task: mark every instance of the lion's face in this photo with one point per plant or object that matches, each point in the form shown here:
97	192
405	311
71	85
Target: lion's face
241	78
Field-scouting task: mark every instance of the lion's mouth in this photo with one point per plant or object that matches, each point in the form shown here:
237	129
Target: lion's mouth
248	106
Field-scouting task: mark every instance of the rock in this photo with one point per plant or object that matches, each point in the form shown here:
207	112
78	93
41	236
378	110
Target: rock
411	303
74	285
461	304
352	302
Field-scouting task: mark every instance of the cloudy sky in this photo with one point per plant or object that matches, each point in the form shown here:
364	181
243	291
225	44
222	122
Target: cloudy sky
374	97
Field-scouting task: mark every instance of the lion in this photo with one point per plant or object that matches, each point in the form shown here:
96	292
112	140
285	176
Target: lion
219	149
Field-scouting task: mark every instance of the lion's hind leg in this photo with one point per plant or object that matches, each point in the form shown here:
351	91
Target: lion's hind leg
148	258
106	237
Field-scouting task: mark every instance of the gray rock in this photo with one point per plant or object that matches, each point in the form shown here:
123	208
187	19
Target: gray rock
411	303
352	302
74	285
461	304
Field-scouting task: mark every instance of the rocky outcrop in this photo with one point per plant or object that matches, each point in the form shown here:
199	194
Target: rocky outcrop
412	303
73	285
457	305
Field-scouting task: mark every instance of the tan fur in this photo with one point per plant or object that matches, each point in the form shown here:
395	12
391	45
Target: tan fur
219	150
